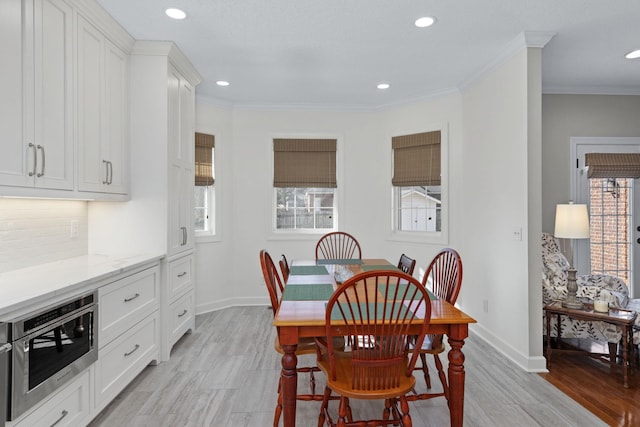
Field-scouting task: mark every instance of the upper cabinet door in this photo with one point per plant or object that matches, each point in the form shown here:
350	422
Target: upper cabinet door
103	160
36	119
92	173
115	142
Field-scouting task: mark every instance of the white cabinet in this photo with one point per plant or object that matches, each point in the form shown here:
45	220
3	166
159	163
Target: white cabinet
36	91
123	359
126	302
128	331
163	123
181	133
180	308
102	101
69	407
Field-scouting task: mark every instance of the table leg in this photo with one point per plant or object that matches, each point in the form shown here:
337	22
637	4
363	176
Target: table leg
289	380
625	356
456	382
548	321
559	333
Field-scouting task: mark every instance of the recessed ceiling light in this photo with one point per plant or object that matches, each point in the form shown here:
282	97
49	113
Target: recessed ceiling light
633	55
175	13
425	21
383	86
222	83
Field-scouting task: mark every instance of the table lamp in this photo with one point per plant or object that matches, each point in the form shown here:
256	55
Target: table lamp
572	222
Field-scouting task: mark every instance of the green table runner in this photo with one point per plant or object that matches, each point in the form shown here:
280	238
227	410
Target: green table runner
401	291
315	270
316	292
339	261
371	267
376	310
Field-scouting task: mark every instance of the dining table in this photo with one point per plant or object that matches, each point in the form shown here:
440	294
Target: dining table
302	314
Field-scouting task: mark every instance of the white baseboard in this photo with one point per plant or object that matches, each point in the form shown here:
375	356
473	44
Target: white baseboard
231	302
529	364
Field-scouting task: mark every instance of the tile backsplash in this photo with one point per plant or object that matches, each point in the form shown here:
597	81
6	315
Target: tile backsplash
39	231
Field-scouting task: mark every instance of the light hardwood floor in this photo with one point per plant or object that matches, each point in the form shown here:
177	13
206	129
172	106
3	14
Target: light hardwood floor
226	374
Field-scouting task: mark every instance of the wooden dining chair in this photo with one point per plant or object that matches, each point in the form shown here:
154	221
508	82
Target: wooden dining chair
444	278
284	268
374	307
338	245
305	346
406	264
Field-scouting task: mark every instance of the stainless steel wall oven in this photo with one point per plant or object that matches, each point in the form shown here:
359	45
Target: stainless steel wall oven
50	347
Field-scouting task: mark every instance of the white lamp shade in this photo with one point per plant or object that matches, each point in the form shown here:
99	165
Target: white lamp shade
572	221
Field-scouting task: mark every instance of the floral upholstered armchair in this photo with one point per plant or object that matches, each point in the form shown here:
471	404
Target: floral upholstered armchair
591	287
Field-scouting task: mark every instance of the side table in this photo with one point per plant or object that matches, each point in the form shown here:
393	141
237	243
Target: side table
616	316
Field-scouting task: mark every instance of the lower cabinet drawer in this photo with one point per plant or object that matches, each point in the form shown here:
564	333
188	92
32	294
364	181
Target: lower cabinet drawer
70	407
127	301
122	360
180	275
182	316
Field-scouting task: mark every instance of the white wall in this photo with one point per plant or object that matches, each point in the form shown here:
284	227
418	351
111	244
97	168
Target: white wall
228	270
566	116
497	116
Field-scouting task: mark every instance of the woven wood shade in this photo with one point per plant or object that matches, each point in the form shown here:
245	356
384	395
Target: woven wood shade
416	159
304	163
613	165
204	159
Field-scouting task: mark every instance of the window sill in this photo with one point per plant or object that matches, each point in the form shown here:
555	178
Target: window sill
207	238
419	237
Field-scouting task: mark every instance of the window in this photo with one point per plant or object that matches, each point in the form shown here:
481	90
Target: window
204	194
611	177
417	186
304	181
610	219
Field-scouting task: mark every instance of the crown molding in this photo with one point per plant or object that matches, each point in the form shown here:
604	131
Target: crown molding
94	13
173	52
590	90
524	40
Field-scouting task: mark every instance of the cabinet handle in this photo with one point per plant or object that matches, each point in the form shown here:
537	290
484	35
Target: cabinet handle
35	160
40	147
110	179
132	351
183	313
184	235
63	414
132	298
182	274
106	171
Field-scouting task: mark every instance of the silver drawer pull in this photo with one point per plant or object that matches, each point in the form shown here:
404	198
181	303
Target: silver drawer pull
63	414
40	147
182	274
132	351
183	313
132	298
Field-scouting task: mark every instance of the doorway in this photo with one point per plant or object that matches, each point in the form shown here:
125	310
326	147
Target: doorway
614	206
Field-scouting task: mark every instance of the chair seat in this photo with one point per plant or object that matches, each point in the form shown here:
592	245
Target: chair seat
342	383
431	345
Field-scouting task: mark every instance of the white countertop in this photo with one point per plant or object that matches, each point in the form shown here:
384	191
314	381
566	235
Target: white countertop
41	284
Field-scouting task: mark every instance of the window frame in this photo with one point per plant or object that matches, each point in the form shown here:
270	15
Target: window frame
302	234
430	237
210	208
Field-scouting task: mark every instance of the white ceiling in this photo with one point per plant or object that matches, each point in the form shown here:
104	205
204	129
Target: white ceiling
333	53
